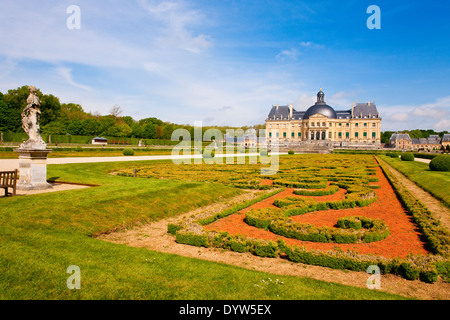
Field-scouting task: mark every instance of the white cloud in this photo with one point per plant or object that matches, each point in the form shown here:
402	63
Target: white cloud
287	55
310	44
66	74
177	19
434	115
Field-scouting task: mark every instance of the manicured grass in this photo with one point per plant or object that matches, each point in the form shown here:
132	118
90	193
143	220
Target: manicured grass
42	235
436	183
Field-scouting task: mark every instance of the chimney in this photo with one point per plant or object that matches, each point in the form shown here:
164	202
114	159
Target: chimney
352	110
277	106
291	107
368	103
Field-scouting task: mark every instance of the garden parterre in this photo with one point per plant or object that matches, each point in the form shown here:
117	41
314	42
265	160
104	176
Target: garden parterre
301	218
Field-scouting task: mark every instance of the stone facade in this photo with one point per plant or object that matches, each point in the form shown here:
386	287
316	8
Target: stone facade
321	125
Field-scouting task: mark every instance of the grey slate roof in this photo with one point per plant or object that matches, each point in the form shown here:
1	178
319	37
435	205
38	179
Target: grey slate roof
279	112
446	137
365	110
398	136
361	110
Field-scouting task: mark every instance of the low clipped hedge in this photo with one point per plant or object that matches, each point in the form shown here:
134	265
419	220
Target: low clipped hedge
332	189
440	163
278	223
407	156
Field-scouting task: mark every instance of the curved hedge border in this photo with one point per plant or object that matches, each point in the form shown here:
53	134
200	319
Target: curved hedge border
348	230
331	189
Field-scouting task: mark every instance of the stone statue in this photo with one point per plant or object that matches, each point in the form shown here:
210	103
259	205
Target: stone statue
30	122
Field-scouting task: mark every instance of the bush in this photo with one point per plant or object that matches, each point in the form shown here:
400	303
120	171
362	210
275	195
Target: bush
128	152
291	152
407	156
440	163
79	149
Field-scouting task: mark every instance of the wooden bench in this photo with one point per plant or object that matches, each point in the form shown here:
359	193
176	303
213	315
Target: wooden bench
8	179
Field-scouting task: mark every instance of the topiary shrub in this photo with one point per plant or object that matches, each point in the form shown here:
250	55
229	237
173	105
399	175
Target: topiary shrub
407	156
440	163
291	152
128	152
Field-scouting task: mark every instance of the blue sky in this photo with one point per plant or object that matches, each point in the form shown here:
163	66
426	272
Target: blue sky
227	62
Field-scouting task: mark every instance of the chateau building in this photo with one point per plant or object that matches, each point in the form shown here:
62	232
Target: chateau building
321	124
403	141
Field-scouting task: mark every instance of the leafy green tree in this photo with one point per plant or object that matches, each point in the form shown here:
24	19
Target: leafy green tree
9	118
90	127
149	131
75	127
137	130
167	131
55	128
50	109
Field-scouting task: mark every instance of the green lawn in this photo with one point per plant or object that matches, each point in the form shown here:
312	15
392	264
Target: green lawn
42	235
436	183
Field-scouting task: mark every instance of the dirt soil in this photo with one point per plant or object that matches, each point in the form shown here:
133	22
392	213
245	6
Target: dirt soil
154	236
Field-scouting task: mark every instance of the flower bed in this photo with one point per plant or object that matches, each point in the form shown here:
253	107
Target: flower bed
395	244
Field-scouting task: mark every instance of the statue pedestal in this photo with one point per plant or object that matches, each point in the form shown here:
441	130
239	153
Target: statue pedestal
33	169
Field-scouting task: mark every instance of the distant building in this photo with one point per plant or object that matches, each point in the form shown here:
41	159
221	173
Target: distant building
99	140
445	140
320	124
403	141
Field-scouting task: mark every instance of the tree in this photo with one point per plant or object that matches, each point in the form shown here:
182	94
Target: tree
115	111
167	131
75	127
149	131
50	108
55	128
137	130
9	118
90	127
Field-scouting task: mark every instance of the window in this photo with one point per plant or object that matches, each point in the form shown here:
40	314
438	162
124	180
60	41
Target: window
365	125
374	125
340	124
292	135
340	135
284	134
365	134
270	134
324	124
347	124
356	124
374	135
329	135
347	135
356	134
299	134
278	134
318	124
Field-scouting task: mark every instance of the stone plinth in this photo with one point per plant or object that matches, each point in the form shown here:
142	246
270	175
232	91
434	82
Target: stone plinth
33	169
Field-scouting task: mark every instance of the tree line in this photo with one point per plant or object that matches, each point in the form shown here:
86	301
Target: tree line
69	118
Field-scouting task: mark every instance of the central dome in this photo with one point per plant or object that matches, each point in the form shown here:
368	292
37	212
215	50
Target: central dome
320	107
